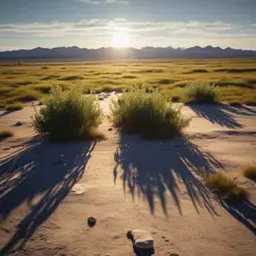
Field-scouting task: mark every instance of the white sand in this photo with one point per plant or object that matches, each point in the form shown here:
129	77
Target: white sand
48	191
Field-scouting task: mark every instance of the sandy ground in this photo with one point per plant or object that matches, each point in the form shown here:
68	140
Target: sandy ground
48	191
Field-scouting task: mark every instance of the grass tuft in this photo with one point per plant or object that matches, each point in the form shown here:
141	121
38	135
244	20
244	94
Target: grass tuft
14	106
225	187
201	93
69	115
148	114
5	134
250	172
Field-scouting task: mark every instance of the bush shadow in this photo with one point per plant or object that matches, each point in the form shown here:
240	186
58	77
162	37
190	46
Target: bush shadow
42	171
220	114
151	169
244	212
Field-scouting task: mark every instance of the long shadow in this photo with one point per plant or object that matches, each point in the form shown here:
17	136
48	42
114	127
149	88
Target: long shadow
43	171
222	115
244	212
152	169
240	110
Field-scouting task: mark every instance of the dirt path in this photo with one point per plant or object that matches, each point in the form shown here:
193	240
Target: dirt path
48	191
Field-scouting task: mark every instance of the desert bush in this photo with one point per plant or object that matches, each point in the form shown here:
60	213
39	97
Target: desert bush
251	103
201	93
68	115
14	106
225	187
45	89
250	172
5	134
148	114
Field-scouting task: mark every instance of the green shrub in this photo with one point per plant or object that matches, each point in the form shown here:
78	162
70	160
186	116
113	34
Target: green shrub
5	134
201	93
225	187
14	106
68	115
250	172
148	114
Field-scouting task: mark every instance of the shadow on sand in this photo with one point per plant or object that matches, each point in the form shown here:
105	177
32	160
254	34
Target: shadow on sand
153	169
221	114
40	168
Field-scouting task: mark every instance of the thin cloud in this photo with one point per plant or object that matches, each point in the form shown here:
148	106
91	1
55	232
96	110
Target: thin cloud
105	1
161	33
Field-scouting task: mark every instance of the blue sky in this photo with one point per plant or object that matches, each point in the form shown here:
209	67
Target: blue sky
94	23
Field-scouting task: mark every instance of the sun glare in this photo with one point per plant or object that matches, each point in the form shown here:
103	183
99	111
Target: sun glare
120	39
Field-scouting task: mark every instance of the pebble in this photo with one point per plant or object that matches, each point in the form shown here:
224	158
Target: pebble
91	221
110	129
19	123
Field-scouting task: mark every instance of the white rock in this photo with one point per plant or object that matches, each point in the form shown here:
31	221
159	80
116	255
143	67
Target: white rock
142	239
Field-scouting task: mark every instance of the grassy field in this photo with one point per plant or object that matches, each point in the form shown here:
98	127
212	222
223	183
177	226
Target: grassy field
23	82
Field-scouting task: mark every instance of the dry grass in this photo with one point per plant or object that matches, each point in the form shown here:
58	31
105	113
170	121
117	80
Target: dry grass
234	77
225	187
5	134
250	172
14	106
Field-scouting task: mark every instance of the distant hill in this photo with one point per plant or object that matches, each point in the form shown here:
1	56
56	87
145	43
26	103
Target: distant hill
125	53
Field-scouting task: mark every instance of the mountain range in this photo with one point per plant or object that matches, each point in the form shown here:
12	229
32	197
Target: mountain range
125	53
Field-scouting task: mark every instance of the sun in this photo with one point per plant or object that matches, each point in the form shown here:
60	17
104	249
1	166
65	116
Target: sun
120	39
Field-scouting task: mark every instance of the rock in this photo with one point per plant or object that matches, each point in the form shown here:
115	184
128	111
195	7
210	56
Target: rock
143	242
101	98
91	222
40	103
19	123
110	129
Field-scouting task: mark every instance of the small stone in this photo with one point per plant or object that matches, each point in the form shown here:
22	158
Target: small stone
40	103
110	129
142	239
91	222
101	98
19	123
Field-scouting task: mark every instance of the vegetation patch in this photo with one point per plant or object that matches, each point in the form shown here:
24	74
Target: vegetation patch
148	114
70	78
225	187
14	106
45	89
50	77
69	115
128	77
165	81
251	103
201	93
5	134
250	172
26	97
198	70
5	90
235	70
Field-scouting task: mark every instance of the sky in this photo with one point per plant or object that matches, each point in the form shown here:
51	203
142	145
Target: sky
26	24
